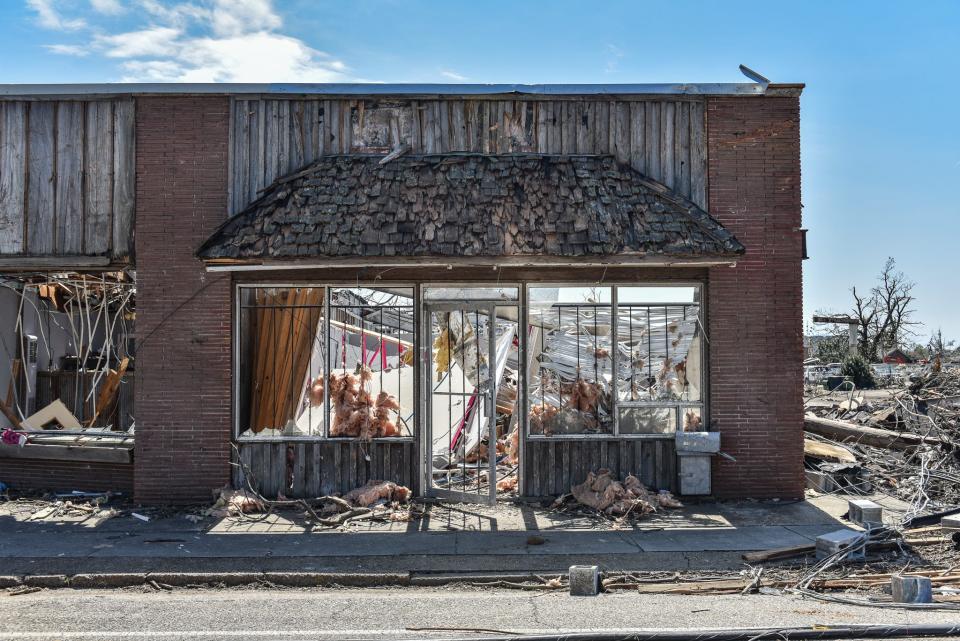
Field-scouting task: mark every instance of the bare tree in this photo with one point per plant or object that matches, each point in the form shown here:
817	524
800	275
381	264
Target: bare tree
885	312
939	347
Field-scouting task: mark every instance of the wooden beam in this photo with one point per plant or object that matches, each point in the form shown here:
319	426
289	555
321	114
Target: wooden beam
844	431
88	454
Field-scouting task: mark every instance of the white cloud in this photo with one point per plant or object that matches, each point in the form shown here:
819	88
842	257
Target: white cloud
49	16
614	55
155	41
235	17
207	41
67	50
452	75
107	7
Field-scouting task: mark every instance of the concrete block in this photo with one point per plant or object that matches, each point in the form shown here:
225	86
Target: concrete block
584	580
702	442
107	580
951	523
832	542
46	580
820	482
865	513
694	474
911	589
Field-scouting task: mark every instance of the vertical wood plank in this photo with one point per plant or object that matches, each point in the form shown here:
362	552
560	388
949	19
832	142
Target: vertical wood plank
667	128
622	136
332	108
40	187
653	140
637	139
555	125
13	167
698	154
98	181
240	173
348	111
297	135
601	136
581	123
458	128
124	176
69	191
681	146
255	152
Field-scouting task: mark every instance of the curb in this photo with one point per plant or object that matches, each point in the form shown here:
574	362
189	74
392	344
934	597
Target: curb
232	579
187	579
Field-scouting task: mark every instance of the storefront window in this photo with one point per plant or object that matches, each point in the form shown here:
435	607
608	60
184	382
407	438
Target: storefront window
657	359
312	367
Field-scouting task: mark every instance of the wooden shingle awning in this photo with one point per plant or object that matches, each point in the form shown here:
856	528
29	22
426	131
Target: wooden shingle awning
469	206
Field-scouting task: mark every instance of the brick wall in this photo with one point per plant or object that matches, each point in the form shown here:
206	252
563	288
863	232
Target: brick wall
756	308
183	313
65	476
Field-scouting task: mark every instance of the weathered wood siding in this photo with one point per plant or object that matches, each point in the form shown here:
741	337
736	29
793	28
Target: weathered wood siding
67	178
663	139
310	469
552	466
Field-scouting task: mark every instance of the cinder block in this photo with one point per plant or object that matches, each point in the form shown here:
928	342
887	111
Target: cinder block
820	482
951	523
911	589
703	442
832	542
584	580
865	513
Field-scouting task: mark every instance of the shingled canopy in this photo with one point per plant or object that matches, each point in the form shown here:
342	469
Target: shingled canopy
469	205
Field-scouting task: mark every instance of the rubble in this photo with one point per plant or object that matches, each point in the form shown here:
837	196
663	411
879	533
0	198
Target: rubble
906	445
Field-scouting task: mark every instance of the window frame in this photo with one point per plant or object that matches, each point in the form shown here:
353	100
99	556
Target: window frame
327	287
680	406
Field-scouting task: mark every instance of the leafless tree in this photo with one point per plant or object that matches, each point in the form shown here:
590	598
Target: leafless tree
939	347
885	312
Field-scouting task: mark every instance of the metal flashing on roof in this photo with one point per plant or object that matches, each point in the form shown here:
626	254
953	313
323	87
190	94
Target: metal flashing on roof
375	89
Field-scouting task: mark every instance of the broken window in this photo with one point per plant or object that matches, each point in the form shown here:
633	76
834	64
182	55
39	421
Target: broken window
371	362
572	367
320	362
657	360
67	344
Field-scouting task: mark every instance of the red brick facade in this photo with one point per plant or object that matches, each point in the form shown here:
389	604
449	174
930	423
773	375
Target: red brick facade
65	476
756	308
183	312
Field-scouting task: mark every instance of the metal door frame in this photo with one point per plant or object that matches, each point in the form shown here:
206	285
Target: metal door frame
426	363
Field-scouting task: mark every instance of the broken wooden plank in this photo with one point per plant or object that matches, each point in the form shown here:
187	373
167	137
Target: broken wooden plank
828	452
112	454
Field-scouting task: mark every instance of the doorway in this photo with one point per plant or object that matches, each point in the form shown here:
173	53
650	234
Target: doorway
470	388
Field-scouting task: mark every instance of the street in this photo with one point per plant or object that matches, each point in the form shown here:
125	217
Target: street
407	613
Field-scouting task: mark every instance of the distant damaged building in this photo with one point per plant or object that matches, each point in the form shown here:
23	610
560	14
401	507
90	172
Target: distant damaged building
466	290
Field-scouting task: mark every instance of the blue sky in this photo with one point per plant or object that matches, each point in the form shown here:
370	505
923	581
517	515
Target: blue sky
880	132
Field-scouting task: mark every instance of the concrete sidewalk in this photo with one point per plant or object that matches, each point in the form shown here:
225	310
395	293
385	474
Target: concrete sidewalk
449	539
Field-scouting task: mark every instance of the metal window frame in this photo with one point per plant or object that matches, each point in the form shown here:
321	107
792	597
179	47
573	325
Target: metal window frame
237	365
617	404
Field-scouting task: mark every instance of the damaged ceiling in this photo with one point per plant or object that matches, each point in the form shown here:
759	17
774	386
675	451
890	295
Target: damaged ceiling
469	205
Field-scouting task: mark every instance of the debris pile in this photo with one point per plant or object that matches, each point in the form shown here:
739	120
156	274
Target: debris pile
907	446
375	491
606	495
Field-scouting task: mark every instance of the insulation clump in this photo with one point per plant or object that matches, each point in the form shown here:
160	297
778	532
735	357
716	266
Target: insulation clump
603	493
375	491
355	412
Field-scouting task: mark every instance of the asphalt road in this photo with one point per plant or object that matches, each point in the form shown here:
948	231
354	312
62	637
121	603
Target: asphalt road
393	613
